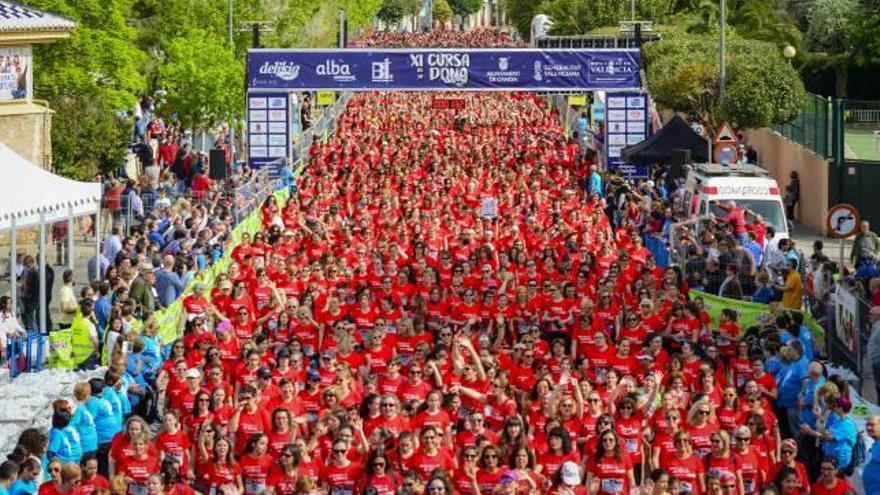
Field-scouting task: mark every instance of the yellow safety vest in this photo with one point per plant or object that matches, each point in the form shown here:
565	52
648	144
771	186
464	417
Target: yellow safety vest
81	341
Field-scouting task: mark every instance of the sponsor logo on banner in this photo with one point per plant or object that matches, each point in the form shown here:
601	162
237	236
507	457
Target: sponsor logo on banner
340	71
449	68
503	75
549	71
615	66
538	74
381	71
286	71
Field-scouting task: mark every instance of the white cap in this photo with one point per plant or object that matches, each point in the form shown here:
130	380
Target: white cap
571	474
193	373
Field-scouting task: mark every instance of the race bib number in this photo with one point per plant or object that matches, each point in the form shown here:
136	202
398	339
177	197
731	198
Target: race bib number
632	445
254	487
136	488
686	487
612	485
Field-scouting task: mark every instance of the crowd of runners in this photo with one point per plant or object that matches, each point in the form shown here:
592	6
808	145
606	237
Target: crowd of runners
385	333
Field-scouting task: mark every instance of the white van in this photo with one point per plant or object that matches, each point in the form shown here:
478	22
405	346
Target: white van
710	184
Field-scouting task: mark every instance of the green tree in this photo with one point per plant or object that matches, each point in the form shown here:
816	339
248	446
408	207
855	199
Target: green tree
88	79
442	11
203	79
520	13
465	7
391	12
762	88
829	38
580	16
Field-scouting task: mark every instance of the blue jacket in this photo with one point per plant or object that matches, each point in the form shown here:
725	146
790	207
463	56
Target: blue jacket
871	473
169	286
806	414
789	380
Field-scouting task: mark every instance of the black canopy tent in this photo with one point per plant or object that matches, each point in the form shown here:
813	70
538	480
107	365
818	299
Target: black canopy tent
675	135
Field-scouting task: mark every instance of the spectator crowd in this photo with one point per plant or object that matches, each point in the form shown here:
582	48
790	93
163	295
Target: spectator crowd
385	333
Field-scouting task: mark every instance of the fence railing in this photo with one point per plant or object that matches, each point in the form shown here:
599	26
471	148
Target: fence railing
321	129
812	127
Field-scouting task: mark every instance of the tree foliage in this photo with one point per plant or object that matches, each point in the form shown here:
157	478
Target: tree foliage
124	49
465	7
391	12
442	11
197	65
762	88
520	13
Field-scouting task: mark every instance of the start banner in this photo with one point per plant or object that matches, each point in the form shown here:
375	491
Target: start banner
443	69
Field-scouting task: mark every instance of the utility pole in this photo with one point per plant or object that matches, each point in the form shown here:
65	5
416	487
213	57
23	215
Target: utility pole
722	80
632	10
343	27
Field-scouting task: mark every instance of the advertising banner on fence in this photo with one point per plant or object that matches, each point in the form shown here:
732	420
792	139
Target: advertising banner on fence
626	124
268	130
748	313
443	69
15	73
846	321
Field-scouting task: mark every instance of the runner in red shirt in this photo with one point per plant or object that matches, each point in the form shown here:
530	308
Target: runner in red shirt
255	464
138	467
610	471
340	475
685	466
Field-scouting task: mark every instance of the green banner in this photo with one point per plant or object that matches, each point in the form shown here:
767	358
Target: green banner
748	313
171	319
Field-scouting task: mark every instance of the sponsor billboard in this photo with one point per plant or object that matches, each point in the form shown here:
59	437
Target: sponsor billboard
443	69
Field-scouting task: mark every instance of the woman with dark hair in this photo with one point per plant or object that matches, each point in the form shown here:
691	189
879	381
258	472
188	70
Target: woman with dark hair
174	445
224	473
284	473
490	472
830	482
64	443
172	484
464	480
430	455
610	472
559	451
380	478
512	435
786	481
283	430
201	412
438	484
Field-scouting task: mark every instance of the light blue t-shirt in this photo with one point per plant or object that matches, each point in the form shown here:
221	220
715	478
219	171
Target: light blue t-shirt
22	487
84	422
105	419
111	396
806	414
60	446
844	432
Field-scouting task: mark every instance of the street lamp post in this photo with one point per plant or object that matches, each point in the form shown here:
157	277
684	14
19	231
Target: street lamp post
232	120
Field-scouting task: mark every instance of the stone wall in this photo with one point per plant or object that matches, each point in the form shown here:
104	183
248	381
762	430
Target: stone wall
27	129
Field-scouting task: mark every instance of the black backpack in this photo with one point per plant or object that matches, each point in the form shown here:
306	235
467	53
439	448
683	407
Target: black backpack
859	454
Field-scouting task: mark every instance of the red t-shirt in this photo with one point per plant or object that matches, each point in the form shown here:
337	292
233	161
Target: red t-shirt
839	488
342	480
688	471
254	472
90	486
138	471
611	474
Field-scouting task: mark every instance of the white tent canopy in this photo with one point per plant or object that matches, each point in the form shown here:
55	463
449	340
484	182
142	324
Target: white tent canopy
29	190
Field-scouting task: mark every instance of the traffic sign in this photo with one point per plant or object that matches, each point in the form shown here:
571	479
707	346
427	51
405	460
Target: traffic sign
842	221
725	153
725	134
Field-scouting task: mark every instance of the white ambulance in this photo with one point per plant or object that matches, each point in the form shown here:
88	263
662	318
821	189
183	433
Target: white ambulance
750	186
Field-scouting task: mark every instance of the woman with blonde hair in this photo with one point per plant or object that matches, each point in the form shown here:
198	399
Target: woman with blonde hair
701	424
